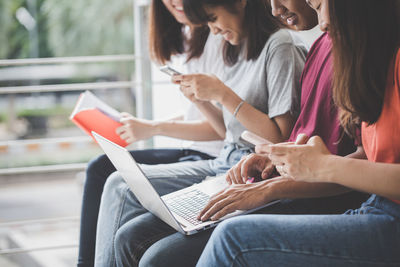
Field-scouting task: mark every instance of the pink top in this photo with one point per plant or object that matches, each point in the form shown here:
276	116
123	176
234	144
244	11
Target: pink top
319	115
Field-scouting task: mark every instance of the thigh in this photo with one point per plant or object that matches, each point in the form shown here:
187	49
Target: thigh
305	240
182	170
176	250
157	156
325	205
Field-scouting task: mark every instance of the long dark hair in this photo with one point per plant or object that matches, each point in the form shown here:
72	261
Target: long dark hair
166	36
258	20
365	35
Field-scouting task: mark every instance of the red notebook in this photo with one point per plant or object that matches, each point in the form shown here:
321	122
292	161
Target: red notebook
92	114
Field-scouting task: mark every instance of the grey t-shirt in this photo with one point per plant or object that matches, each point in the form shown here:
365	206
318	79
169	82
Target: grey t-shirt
271	83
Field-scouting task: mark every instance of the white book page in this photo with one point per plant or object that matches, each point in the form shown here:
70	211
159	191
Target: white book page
87	100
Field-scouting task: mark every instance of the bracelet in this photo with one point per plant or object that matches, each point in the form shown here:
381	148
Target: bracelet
237	108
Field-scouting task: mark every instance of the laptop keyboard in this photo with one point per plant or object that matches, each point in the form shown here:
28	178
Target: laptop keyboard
189	205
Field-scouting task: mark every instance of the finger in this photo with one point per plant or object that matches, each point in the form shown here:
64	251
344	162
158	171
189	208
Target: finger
315	140
226	210
279	149
130	140
219	205
238	175
125	120
213	199
268	171
228	177
177	78
244	171
261	149
301	139
120	130
125	114
125	136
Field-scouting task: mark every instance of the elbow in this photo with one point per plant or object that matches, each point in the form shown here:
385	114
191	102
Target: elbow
221	134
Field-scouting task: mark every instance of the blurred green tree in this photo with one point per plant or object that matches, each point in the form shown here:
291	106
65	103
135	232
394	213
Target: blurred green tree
67	28
91	27
16	40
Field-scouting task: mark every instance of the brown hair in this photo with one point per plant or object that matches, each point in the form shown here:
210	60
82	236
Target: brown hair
258	19
166	36
365	35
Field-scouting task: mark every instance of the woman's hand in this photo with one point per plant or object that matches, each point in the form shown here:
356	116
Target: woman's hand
236	197
253	165
203	87
134	129
301	162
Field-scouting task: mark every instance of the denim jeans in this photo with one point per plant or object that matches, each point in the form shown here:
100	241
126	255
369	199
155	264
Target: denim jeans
126	229
180	250
368	236
97	173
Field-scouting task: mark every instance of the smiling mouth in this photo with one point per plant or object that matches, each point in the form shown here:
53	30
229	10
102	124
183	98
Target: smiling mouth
290	19
179	8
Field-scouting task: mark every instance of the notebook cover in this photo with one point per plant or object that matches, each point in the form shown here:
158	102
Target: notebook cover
94	120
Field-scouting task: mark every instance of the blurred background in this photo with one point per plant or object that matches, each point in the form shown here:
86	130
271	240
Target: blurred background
50	52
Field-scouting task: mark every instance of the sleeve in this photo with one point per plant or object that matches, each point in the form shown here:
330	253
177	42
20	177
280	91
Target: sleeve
284	67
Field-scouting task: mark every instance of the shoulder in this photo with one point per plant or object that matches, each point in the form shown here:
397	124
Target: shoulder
278	38
283	40
323	43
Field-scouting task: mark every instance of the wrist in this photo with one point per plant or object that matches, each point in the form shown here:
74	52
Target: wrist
225	95
326	168
156	127
269	191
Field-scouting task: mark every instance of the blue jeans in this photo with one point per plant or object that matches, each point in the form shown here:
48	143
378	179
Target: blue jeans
180	250
368	236
126	229
97	173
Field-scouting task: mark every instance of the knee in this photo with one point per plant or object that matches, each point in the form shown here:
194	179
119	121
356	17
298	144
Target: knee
227	228
125	250
121	242
114	183
97	164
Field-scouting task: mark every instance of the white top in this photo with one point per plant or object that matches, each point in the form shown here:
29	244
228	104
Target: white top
270	83
210	62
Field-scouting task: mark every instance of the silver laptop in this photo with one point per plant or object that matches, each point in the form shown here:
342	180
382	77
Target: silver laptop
178	209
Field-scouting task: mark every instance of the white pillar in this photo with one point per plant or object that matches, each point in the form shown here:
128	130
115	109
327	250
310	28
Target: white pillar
144	98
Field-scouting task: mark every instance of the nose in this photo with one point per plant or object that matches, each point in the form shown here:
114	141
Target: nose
324	26
214	29
277	8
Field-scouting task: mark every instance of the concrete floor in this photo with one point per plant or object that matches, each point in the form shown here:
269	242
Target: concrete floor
56	198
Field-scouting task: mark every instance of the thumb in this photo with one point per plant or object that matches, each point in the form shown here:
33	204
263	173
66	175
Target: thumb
302	139
267	172
315	140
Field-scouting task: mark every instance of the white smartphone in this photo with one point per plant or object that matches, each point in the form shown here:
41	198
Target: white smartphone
170	71
254	139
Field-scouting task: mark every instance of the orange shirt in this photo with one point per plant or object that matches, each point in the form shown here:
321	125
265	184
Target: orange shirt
381	141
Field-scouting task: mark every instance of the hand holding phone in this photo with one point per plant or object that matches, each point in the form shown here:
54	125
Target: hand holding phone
170	71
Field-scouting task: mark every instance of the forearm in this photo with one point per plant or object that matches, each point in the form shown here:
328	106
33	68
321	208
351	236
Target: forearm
376	178
194	130
257	121
290	189
214	117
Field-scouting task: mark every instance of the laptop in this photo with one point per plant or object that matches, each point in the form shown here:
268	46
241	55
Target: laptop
178	209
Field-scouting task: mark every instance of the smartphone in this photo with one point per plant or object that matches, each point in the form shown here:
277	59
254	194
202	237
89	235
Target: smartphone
170	71
253	139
